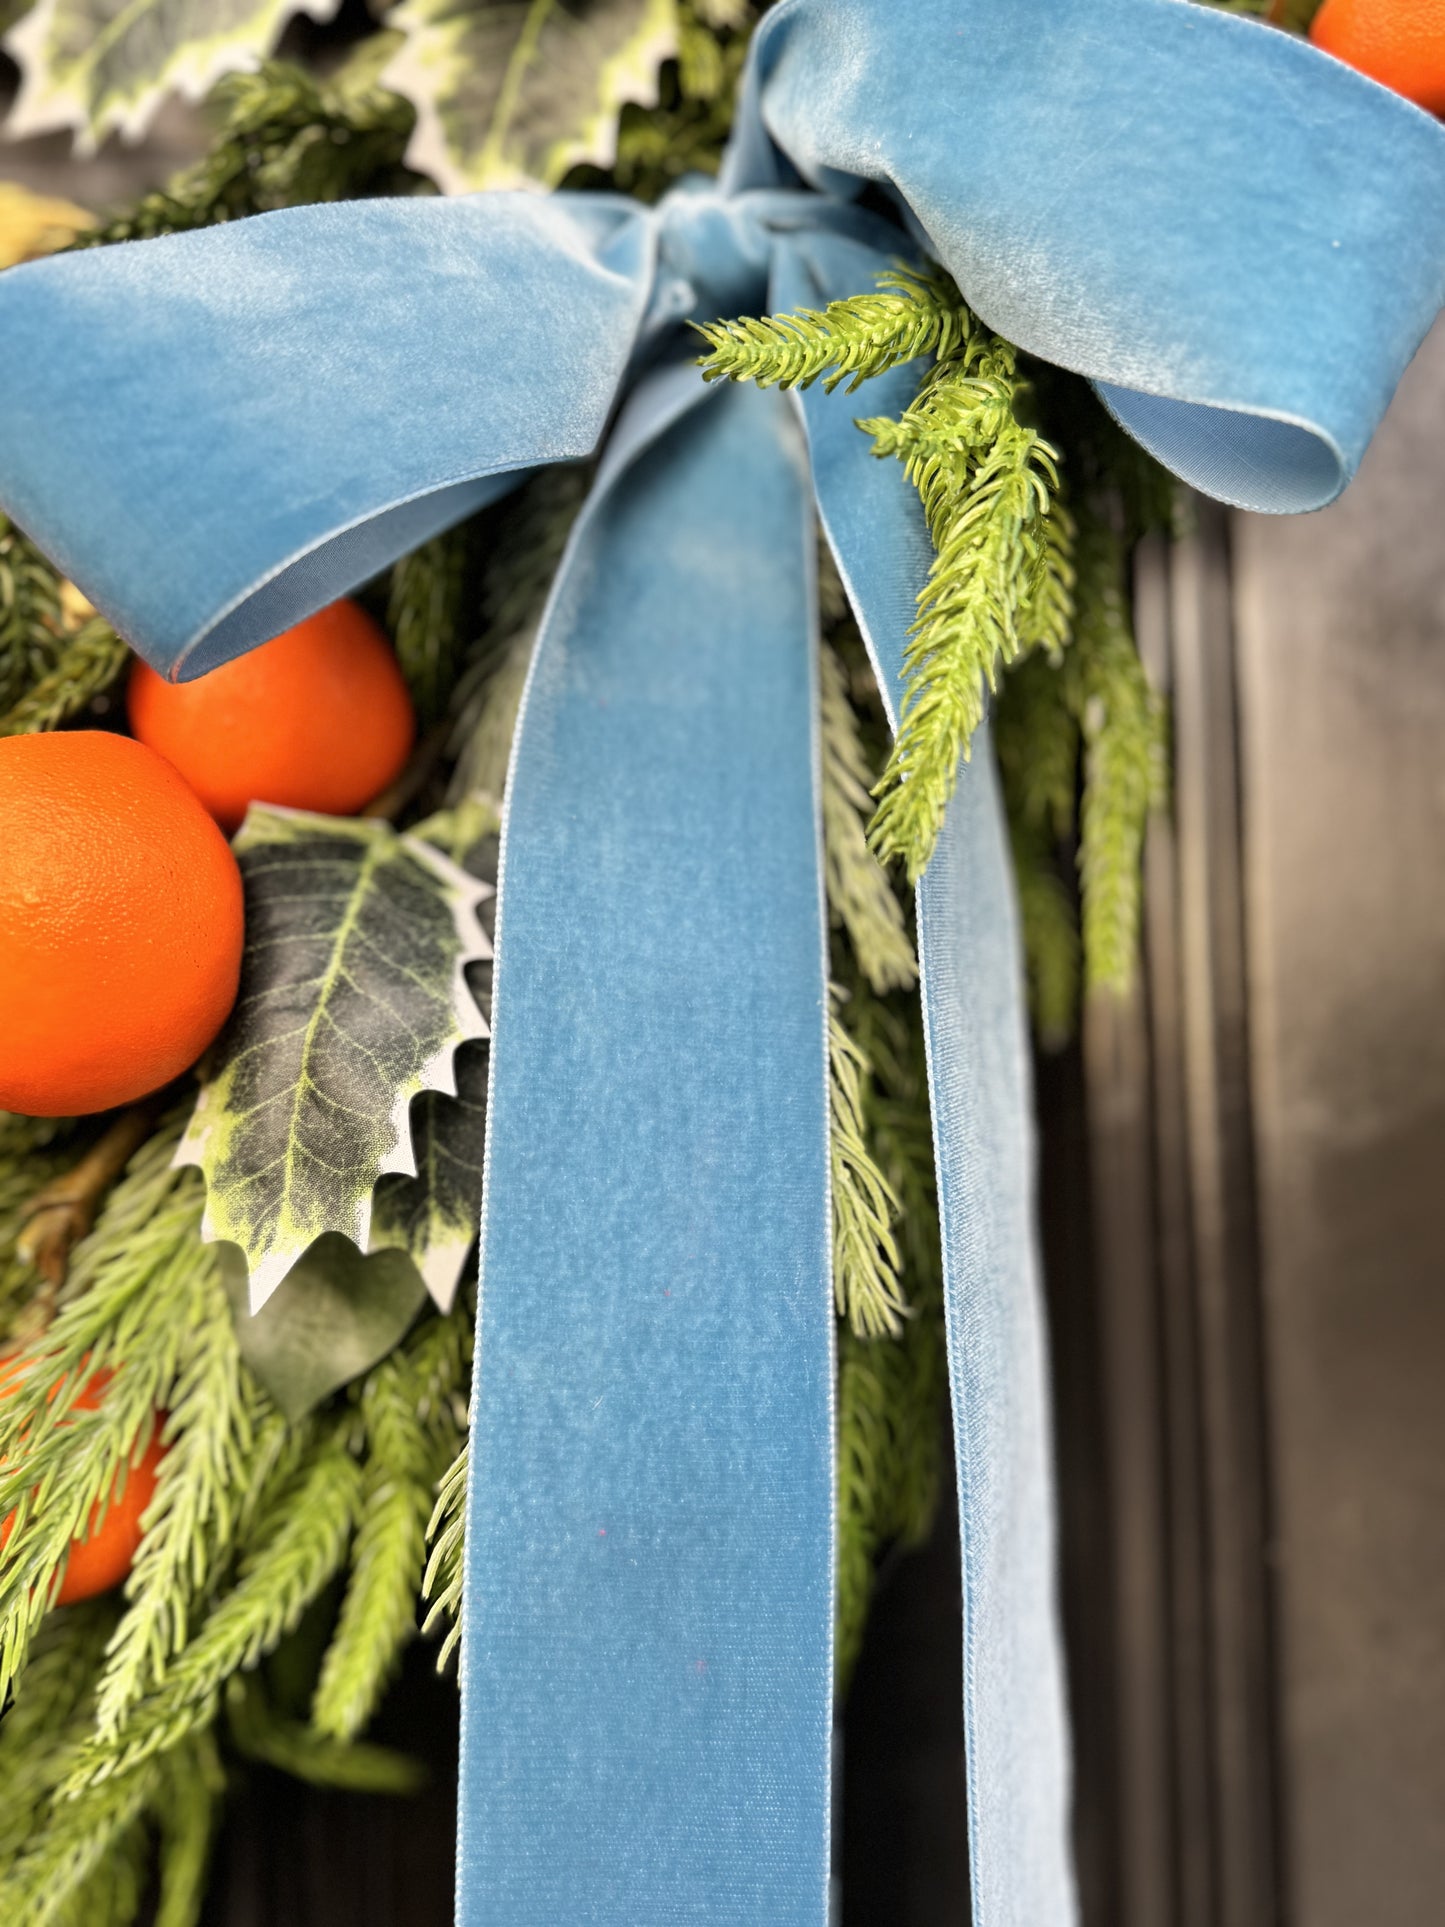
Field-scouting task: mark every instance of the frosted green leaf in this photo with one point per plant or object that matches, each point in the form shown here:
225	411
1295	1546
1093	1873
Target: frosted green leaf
332	1317
514	94
353	1000
104	66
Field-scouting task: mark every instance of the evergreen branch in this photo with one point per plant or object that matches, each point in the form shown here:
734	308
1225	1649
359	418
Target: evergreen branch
401	1402
1036	741
446	1568
261	1733
1050	933
87	665
286	140
31	622
77	1839
134	1279
49	1716
1125	767
424	615
301	1543
912	314
890	1393
865	1251
1046	622
987	485
114	1890
190	1524
192	1786
859	893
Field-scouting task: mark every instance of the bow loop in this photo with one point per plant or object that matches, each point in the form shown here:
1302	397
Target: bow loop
1240	240
219	432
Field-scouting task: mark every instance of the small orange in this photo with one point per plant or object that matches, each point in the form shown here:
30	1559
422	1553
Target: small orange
318	719
120	923
105	1552
1400	43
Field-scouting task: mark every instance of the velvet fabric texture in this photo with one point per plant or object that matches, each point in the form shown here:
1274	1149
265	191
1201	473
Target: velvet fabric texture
1241	243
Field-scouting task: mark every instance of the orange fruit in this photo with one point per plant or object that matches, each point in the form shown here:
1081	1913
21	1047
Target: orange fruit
120	923
105	1552
1400	43
318	719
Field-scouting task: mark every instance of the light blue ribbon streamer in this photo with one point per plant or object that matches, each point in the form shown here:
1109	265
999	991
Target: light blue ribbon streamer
1015	1725
1241	243
649	1542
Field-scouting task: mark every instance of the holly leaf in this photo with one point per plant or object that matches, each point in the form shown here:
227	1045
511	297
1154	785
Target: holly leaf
432	1217
104	66
352	1002
513	93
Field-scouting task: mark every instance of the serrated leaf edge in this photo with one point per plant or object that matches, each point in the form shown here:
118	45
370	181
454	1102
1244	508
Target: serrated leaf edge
632	75
465	895
191	71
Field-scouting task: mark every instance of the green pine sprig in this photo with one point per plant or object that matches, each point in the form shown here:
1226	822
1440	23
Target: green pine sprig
865	1251
860	896
987	483
446	1568
1125	765
83	668
300	1545
190	1526
912	314
31	622
407	1417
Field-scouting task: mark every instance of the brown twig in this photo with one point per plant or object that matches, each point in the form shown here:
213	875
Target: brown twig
413	779
61	1212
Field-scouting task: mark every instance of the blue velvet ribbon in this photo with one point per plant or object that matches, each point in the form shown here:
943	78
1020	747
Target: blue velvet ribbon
1241	243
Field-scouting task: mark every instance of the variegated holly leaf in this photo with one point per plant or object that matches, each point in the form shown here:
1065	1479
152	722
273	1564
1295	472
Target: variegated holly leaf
353	1000
433	1217
102	66
512	93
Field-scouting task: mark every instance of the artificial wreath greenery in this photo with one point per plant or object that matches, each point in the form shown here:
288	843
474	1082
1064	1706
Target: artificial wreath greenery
347	1501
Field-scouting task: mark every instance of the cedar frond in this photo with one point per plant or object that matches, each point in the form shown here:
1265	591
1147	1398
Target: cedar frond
191	1523
401	1401
987	484
445	1570
859	893
1124	731
300	1546
84	668
865	1251
912	314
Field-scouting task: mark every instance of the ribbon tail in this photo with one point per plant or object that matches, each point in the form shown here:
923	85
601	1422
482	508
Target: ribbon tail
1239	239
971	987
647	1657
219	432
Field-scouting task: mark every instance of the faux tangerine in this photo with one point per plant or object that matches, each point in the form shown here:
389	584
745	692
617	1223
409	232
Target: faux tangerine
1400	43
317	719
121	923
105	1552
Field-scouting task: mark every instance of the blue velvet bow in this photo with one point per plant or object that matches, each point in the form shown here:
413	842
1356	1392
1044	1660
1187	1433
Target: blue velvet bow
1241	243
